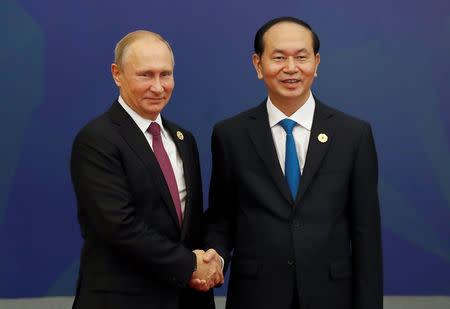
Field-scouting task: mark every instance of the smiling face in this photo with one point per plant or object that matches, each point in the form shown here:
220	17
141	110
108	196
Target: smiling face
145	77
288	64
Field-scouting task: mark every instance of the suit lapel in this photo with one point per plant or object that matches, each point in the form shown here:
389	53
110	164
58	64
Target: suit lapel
137	141
261	135
186	156
316	149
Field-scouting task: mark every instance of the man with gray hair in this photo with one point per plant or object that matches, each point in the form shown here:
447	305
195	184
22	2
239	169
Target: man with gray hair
136	176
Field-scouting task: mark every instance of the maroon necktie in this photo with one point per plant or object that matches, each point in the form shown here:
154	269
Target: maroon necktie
166	167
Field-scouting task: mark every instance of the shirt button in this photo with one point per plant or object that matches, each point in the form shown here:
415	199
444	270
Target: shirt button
296	223
291	262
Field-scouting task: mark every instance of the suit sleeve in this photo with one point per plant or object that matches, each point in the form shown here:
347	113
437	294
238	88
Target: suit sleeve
107	207
366	227
219	215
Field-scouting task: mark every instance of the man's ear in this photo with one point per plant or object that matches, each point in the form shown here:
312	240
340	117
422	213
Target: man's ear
257	64
317	64
115	70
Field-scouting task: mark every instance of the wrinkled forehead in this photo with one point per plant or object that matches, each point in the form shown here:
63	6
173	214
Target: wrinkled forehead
287	34
144	46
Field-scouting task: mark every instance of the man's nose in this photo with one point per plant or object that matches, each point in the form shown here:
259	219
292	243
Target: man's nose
290	65
156	86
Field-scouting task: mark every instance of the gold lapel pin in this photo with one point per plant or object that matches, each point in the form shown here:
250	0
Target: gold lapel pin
323	138
180	135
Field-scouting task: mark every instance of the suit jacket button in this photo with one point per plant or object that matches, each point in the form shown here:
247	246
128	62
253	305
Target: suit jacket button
291	262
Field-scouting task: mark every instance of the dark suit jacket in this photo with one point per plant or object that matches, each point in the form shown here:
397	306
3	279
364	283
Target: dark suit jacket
325	246
135	255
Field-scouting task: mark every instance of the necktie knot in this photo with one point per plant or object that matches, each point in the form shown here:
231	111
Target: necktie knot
154	129
288	125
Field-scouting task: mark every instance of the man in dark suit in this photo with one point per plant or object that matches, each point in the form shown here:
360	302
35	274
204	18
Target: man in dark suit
294	189
137	181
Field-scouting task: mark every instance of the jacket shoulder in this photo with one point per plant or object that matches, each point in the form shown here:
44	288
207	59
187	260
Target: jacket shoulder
100	126
239	120
342	119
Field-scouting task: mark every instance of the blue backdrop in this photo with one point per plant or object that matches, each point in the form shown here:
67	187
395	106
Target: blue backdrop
384	61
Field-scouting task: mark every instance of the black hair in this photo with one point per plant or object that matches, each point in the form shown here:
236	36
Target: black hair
259	44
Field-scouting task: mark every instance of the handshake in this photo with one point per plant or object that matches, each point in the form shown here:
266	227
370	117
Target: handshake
209	270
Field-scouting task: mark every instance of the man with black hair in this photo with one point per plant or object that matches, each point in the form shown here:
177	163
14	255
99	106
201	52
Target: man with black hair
294	189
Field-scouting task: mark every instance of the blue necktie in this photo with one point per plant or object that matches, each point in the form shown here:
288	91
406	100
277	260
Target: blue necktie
291	165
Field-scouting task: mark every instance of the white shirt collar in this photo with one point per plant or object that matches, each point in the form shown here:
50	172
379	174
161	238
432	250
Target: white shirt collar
141	122
303	116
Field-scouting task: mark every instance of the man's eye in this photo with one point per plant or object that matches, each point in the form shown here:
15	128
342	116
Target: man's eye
279	58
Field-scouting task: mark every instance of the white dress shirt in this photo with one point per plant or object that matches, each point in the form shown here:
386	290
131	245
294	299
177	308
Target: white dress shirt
169	146
301	132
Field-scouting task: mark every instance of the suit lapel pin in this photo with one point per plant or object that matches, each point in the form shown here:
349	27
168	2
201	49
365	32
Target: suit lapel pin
323	138
180	135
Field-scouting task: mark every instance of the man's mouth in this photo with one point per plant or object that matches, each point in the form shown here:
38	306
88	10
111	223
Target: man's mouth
291	81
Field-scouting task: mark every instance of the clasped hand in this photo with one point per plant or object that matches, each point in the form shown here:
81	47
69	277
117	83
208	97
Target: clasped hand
209	270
